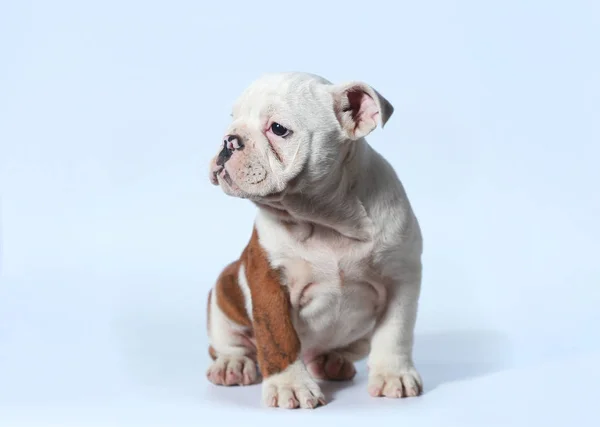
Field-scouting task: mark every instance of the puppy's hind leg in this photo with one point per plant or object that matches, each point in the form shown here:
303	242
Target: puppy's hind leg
232	346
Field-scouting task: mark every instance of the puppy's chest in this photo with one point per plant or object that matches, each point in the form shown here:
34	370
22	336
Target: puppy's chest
331	286
322	259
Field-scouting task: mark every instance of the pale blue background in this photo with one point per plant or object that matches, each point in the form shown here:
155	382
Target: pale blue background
112	233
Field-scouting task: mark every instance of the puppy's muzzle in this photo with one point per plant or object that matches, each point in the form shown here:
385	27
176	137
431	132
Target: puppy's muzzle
230	144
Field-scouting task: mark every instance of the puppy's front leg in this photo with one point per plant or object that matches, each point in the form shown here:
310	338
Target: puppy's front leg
391	369
286	381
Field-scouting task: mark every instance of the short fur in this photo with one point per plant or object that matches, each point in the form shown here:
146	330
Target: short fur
332	272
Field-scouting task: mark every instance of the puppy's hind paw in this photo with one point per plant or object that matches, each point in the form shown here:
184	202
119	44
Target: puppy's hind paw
232	370
332	366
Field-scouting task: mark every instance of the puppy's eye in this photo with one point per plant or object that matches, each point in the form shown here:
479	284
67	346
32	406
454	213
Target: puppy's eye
279	130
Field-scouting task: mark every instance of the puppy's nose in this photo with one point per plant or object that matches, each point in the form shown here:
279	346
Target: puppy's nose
230	144
224	155
234	142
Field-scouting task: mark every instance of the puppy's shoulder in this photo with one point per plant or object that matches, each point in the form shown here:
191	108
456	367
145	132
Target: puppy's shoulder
240	282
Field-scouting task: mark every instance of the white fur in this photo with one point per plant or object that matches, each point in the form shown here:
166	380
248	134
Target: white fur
337	314
292	388
233	344
232	370
226	337
243	284
334	215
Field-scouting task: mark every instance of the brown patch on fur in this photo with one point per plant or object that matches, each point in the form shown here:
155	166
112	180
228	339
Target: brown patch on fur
212	353
278	345
230	297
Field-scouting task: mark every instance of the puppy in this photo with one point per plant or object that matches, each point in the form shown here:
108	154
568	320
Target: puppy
332	271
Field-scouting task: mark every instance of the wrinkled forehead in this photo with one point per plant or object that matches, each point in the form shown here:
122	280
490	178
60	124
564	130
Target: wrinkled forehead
282	94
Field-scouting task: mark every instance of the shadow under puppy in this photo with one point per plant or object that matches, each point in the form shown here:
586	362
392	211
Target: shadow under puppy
332	271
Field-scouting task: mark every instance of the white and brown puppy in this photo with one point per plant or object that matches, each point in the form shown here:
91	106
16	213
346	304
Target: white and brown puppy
332	272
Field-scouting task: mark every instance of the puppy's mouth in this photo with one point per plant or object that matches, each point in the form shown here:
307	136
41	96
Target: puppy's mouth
221	176
221	172
214	176
227	178
252	178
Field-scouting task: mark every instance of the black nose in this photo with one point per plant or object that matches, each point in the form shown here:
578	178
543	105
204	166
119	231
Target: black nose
234	142
224	155
230	144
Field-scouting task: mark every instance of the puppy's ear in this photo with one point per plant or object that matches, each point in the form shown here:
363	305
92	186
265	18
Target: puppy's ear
359	108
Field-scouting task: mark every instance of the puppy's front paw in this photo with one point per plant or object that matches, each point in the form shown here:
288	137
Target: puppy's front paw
232	370
292	388
400	382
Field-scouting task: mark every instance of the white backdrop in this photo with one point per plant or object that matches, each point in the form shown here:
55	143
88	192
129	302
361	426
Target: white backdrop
112	234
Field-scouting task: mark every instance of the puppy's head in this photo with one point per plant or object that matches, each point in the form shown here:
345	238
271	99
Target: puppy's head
290	130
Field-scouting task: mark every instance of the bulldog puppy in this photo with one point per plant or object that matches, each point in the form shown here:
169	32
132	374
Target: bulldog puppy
332	271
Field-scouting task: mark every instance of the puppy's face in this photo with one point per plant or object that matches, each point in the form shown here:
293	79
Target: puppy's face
292	130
